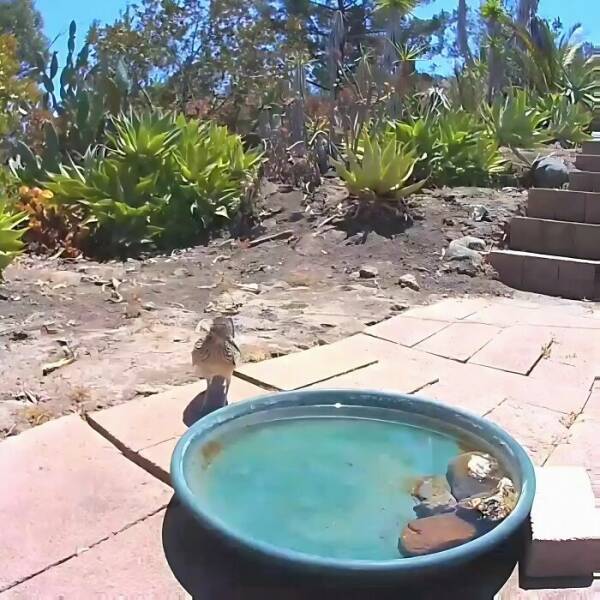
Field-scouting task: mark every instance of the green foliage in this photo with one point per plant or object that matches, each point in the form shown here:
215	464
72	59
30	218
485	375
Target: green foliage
162	183
16	91
550	64
20	19
379	170
567	123
493	10
11	244
516	121
453	148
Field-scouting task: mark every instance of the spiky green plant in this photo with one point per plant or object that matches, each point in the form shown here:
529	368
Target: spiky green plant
549	63
380	171
11	244
567	123
516	121
452	147
161	183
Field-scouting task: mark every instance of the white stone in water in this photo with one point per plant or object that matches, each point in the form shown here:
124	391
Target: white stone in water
473	474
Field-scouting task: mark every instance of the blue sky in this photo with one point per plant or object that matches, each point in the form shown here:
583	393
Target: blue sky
58	14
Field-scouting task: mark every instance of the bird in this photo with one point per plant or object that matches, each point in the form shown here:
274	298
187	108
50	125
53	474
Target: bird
215	357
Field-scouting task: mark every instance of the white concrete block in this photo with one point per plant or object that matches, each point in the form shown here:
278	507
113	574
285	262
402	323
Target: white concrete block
565	525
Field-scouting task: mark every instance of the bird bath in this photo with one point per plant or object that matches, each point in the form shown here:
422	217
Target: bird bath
322	481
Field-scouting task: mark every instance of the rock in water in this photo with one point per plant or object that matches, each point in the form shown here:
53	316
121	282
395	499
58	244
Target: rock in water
434	496
550	172
434	534
496	505
473	474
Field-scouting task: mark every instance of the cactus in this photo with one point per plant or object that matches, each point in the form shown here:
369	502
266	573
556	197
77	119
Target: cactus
83	99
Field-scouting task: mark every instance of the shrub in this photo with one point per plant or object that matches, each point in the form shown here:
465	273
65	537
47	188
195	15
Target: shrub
51	227
11	244
516	121
453	148
567	123
161	183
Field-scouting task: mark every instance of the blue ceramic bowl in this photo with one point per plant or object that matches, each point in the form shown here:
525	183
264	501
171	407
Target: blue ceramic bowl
498	443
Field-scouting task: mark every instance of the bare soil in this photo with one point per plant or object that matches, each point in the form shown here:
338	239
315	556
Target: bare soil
80	335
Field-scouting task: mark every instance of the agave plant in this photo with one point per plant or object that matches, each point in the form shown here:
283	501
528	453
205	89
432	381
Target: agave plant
11	244
380	171
162	182
453	148
516	122
567	123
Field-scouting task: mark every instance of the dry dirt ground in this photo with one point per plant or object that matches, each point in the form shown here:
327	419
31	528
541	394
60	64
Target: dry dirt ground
79	335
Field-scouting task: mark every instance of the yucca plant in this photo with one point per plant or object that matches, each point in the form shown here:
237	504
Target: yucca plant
11	244
380	171
516	121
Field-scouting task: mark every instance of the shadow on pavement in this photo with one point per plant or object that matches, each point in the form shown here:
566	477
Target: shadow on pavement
210	571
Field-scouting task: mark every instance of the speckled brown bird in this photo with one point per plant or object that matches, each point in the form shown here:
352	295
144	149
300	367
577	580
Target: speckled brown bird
217	355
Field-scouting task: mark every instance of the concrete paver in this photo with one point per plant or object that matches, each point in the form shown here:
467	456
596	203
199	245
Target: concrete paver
148	421
516	349
581	448
157	459
480	389
537	429
449	309
574	358
317	364
459	341
130	564
592	407
506	314
406	331
408	372
66	488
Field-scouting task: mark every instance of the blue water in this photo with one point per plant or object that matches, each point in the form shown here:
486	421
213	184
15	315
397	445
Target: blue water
332	487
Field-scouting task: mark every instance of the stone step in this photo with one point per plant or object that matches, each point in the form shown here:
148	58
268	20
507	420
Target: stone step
558	238
584	181
564	205
588	162
544	274
591	147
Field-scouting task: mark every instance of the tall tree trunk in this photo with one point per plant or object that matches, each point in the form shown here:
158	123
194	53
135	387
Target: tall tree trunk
462	33
526	10
495	66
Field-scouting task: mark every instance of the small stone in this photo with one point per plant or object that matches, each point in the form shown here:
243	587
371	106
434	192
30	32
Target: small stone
473	474
471	242
368	272
466	251
494	506
434	495
434	534
18	336
399	307
182	272
409	281
480	213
